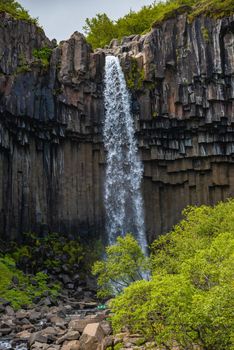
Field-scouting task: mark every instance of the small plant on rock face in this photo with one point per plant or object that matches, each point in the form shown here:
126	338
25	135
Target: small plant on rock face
43	55
134	76
125	263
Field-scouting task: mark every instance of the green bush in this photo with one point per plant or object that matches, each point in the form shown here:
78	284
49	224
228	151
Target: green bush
43	55
190	298
47	253
27	287
100	30
54	252
134	76
124	264
16	11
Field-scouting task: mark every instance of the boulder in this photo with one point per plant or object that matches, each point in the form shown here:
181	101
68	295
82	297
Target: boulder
79	324
9	310
92	337
38	337
24	335
38	345
57	321
70	335
34	316
21	314
71	345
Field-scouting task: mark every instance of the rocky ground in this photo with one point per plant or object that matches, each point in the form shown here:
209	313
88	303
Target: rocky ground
68	324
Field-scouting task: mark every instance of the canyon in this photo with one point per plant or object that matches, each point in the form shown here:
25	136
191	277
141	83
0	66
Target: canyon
52	158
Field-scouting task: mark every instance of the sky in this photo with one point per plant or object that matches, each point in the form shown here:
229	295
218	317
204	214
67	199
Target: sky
61	18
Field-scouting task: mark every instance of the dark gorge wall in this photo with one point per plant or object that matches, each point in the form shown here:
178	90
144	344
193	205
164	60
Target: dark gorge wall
51	171
51	153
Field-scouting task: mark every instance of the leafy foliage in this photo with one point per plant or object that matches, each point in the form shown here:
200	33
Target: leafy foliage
54	252
190	298
16	11
47	253
134	76
27	287
43	55
124	264
100	30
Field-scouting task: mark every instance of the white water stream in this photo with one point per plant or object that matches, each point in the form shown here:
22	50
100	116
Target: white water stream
123	197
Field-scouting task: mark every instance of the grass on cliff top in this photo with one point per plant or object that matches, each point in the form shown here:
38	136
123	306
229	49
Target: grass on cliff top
100	30
16	11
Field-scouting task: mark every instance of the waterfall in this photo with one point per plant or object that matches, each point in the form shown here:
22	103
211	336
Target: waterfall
124	171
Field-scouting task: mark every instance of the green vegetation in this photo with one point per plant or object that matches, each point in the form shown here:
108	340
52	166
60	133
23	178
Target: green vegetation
16	11
55	251
205	34
47	253
20	289
124	264
23	66
100	30
43	55
190	297
134	76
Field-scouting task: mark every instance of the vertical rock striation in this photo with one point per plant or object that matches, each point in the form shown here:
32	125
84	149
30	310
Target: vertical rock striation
182	78
51	118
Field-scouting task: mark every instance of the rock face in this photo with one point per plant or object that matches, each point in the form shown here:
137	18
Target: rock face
51	170
51	152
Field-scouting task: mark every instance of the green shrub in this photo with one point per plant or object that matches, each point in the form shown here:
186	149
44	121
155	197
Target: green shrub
16	11
43	55
100	30
124	264
23	66
134	76
190	299
54	251
47	253
26	288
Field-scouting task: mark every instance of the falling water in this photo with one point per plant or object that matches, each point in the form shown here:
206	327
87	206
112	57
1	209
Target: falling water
123	197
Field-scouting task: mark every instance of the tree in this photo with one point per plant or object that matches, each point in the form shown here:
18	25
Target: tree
124	263
190	299
100	30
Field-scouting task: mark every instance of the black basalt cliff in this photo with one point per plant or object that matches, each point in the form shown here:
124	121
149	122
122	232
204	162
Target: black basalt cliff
52	158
